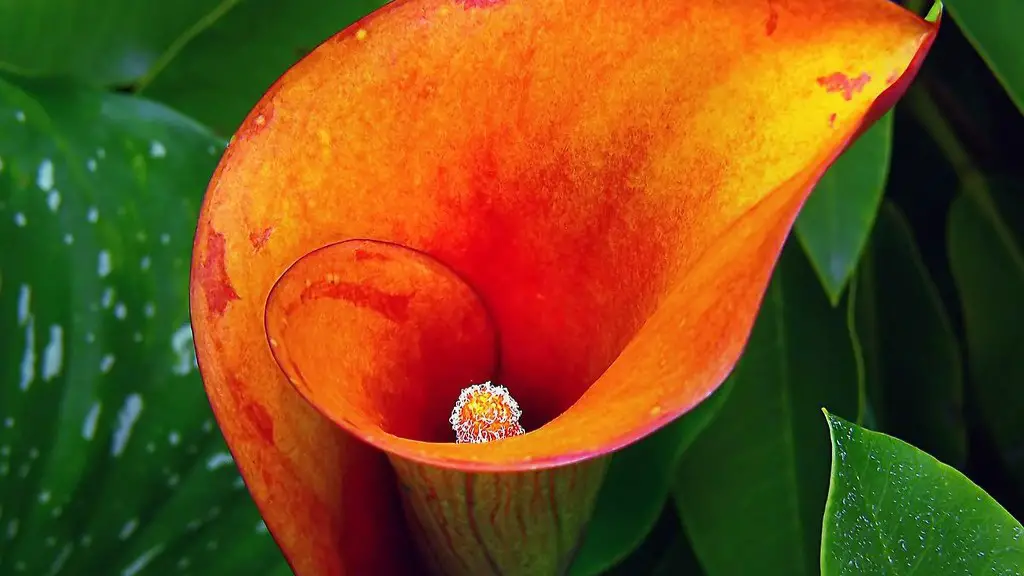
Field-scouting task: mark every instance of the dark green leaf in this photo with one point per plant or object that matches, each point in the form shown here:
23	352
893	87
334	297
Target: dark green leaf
993	27
835	221
679	560
100	42
751	489
912	357
221	74
893	509
988	265
636	488
110	462
647	558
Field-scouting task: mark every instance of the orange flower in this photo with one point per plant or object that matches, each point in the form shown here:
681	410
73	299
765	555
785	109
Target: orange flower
581	201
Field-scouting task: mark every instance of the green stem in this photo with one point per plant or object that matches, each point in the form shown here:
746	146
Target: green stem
179	44
923	106
973	182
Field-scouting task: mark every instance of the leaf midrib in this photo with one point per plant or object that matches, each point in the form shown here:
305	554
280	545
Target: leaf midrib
789	434
172	51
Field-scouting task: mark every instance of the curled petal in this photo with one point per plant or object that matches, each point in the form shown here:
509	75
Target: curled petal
380	339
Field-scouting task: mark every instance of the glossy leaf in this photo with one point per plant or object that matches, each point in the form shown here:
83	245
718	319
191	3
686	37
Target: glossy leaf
987	262
836	220
110	462
763	461
636	488
104	42
219	75
993	27
914	373
893	509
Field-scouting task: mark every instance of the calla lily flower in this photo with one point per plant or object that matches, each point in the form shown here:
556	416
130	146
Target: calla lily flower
579	201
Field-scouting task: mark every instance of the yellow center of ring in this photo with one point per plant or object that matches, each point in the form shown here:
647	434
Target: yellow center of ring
484	413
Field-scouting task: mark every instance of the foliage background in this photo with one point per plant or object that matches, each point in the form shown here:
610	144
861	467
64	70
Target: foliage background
898	304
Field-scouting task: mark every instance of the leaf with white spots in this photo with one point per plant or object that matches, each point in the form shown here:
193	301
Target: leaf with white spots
893	509
109	459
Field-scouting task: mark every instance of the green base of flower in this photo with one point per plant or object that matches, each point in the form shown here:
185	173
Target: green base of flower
517	523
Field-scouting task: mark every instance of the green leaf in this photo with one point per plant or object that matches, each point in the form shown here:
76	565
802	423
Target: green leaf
636	488
110	462
666	552
763	461
912	357
988	267
835	222
679	560
993	28
219	76
100	42
893	509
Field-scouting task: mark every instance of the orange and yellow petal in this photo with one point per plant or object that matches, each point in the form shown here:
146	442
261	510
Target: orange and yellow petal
596	191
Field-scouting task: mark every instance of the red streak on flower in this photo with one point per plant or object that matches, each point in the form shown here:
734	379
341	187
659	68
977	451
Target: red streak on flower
256	414
437	510
773	19
481	3
474	527
839	82
259	239
261	421
362	255
213	277
520	519
394	307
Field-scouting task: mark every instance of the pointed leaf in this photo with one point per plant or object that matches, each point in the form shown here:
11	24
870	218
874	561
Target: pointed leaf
763	461
993	27
110	461
220	74
893	509
647	557
835	221
987	262
636	488
912	357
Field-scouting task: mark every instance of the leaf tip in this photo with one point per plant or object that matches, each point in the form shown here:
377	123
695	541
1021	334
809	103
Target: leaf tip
834	422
